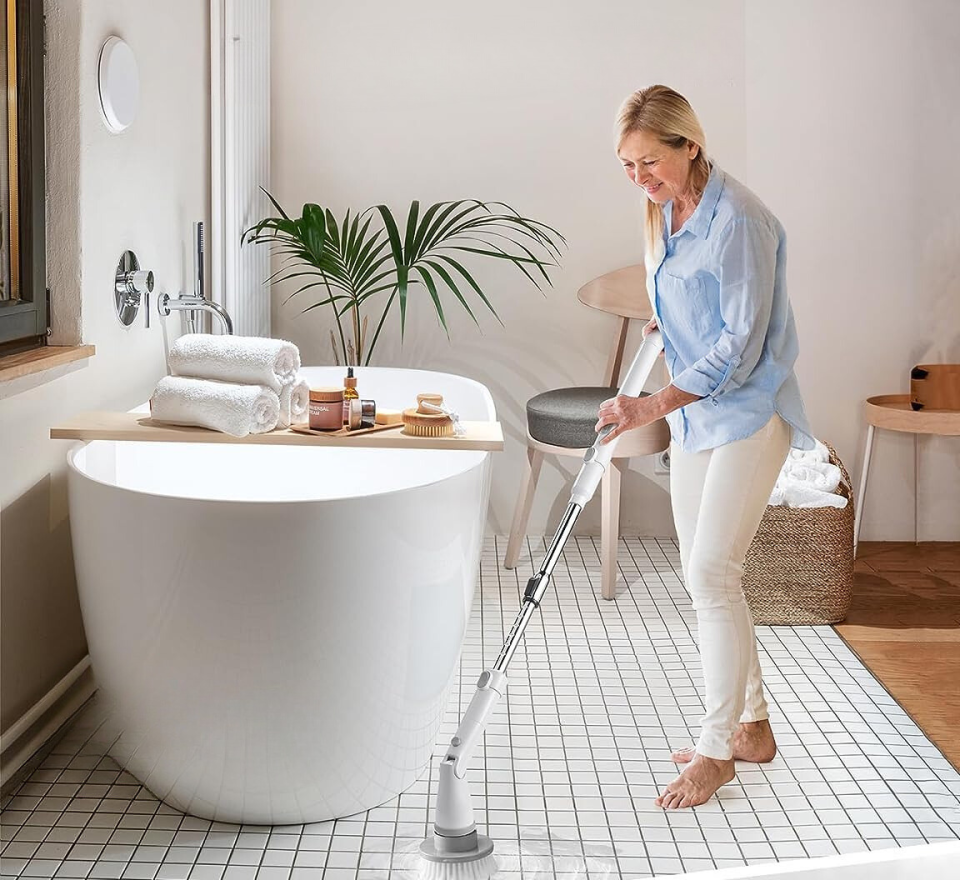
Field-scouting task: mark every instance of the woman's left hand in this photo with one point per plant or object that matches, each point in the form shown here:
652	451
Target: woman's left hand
627	413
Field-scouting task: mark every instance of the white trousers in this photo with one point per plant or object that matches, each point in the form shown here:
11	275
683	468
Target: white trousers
719	496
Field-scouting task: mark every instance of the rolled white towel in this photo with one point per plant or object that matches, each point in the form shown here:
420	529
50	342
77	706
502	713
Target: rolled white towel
294	403
797	494
221	406
252	360
817	474
818	453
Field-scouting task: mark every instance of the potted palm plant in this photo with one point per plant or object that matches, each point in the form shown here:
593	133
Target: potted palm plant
367	261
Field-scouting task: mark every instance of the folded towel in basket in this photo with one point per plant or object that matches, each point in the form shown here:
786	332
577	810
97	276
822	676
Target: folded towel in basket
253	360
808	479
221	406
798	495
294	403
817	474
805	456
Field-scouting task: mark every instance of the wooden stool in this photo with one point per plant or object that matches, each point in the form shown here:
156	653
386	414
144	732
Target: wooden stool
894	413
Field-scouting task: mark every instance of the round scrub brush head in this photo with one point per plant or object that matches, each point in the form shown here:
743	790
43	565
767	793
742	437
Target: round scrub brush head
474	864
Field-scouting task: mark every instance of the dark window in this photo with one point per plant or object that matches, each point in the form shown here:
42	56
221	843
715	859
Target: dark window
23	297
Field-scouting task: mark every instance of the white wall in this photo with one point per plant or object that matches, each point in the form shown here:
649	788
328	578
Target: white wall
838	115
140	190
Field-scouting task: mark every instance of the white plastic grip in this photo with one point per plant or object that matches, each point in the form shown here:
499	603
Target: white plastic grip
642	365
490	687
597	457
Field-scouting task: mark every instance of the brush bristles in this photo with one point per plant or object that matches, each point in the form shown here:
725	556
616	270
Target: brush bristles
478	869
427	425
428	430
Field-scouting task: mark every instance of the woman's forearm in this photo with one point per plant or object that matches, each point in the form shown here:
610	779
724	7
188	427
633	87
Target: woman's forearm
671	398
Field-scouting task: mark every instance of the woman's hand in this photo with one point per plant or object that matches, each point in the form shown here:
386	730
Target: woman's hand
648	328
627	413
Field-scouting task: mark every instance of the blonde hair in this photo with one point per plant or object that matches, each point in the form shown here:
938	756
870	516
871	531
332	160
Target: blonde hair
668	116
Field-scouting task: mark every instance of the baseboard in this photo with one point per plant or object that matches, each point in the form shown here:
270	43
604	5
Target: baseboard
39	727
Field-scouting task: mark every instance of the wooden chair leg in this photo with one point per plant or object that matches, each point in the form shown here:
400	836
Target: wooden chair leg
609	529
521	513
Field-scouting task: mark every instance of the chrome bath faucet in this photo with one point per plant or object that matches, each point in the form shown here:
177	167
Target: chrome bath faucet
198	302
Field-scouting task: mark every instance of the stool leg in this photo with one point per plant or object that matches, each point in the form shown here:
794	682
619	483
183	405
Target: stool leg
858	513
609	529
916	488
521	513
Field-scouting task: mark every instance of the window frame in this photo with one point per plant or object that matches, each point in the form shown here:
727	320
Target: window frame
24	322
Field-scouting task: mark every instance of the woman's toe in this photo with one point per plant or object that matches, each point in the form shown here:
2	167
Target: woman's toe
667	799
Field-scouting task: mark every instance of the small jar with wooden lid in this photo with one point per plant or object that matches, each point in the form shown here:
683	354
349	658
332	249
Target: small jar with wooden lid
326	409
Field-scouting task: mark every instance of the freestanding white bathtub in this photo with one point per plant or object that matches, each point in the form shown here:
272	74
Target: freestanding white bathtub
274	630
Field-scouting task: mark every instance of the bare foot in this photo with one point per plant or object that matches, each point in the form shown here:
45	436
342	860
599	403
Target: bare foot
697	783
753	742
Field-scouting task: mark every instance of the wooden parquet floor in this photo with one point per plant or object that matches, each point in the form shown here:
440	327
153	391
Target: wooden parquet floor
904	625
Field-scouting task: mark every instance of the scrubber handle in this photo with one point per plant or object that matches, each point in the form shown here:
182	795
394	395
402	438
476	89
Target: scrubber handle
597	457
490	687
642	365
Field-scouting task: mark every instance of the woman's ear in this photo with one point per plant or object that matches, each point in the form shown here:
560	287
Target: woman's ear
693	150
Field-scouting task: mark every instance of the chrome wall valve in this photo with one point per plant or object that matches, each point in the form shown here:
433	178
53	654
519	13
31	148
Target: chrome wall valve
132	287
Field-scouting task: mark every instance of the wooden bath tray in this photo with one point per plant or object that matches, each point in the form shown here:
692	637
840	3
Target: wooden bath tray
343	432
486	436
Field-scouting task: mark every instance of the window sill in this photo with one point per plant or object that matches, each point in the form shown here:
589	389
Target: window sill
28	363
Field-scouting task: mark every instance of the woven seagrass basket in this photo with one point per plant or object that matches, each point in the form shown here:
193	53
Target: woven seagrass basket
799	568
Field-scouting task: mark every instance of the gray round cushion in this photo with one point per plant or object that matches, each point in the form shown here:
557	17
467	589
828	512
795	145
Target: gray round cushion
566	416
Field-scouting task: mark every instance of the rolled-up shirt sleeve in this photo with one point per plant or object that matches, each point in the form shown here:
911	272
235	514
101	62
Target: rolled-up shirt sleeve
747	256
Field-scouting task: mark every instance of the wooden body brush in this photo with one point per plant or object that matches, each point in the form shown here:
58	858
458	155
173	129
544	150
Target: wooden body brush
420	421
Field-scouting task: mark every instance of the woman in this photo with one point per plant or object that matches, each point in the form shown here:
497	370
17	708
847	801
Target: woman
716	262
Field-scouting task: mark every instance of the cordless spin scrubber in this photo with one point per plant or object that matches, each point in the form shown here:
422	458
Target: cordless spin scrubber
456	851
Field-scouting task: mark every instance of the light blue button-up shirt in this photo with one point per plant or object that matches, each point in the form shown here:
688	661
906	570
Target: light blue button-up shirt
718	291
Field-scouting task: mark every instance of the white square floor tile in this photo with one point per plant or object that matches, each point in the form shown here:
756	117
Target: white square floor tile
600	692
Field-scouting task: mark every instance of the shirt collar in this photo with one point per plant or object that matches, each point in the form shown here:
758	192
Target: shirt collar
702	217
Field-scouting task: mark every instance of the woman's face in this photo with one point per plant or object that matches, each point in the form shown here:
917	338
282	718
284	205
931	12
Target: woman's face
660	170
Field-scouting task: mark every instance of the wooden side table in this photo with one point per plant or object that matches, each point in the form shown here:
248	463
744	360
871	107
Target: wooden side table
893	412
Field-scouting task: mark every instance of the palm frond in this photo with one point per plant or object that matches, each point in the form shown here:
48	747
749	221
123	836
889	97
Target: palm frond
353	261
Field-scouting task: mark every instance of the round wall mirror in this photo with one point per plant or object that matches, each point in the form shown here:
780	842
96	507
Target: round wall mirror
119	84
